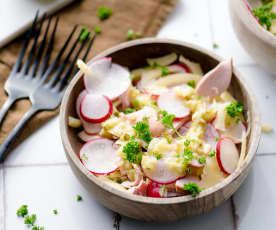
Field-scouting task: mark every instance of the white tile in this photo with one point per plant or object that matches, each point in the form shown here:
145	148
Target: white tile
189	21
255	200
43	147
218	218
44	189
224	35
263	85
2	198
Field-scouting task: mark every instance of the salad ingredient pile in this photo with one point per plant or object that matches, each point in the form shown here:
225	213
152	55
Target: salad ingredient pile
162	130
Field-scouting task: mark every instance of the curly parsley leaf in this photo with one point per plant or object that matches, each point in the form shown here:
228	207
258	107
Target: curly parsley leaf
188	156
213	153
22	211
129	110
30	220
79	198
38	228
234	109
104	13
264	14
97	29
55	211
191	84
85	33
163	190
142	130
202	160
133	152
192	188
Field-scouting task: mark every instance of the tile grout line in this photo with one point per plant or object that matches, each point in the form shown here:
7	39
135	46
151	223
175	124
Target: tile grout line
36	165
234	213
265	154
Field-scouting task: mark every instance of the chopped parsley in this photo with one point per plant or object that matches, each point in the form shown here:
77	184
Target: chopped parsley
158	156
234	109
55	211
202	160
130	35
215	45
217	139
129	110
142	130
136	103
188	170
138	34
22	211
38	228
264	14
163	190
119	180
188	156
191	83
79	198
97	29
104	13
165	70
133	152
30	220
192	188
187	143
167	119
85	33
213	153
84	157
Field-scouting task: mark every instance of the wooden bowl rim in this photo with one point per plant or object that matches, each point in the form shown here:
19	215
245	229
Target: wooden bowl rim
149	200
252	24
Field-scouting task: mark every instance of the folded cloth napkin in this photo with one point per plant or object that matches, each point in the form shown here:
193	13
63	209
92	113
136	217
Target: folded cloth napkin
144	16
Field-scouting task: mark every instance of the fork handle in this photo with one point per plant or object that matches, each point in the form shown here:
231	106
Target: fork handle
5	146
5	107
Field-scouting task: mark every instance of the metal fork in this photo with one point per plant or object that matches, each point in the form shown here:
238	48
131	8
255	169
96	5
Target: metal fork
46	95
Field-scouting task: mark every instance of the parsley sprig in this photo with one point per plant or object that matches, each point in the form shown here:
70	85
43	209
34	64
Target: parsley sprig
104	12
142	130
22	211
234	109
133	152
264	14
167	121
30	220
192	188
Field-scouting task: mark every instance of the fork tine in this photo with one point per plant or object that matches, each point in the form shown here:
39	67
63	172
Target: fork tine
25	45
60	70
88	48
40	51
32	51
48	52
53	65
71	67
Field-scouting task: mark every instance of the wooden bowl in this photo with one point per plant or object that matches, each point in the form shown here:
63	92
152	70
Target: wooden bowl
258	42
133	55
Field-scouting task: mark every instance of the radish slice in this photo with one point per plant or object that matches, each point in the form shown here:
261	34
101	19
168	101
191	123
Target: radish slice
155	190
227	155
179	68
161	173
99	156
179	184
125	99
235	133
211	135
193	67
85	137
215	81
95	108
173	105
79	99
107	78
91	128
165	60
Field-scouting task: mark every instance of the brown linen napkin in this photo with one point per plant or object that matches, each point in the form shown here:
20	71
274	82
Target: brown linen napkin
145	16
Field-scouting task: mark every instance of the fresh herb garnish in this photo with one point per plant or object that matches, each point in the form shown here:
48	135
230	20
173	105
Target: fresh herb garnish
202	160
163	190
191	83
38	228
119	180
188	156
142	130
187	143
30	220
104	13
129	110
234	109
192	188
55	211
130	35
97	29
84	157
188	170
213	153
133	152
165	70
136	103
85	33
265	14
138	34
215	45
158	156
79	198
22	211
167	121
217	139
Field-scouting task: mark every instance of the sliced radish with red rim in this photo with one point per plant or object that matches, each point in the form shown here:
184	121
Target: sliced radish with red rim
178	68
95	108
99	156
107	78
173	105
79	99
91	128
86	137
227	155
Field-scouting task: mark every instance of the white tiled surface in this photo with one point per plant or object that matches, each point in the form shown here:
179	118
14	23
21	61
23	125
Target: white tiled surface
41	156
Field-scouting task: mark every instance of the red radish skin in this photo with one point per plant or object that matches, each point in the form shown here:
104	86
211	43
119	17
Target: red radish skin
99	152
86	137
78	101
169	102
178	68
222	146
91	128
250	10
95	108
